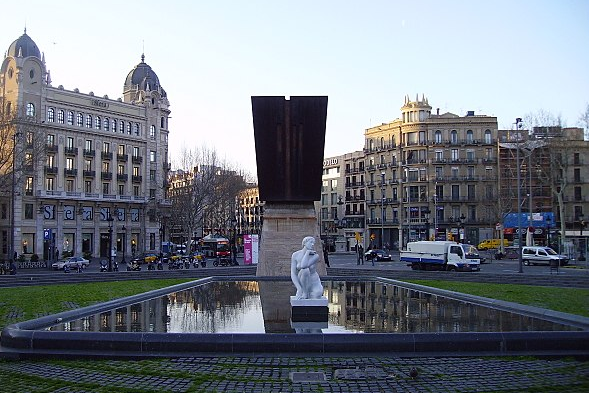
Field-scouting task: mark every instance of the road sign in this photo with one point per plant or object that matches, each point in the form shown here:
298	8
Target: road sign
46	234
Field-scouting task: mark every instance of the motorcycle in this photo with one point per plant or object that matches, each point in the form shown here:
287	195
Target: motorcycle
223	262
133	266
160	265
104	265
186	263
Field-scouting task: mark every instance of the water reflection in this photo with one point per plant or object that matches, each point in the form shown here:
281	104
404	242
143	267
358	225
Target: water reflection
263	307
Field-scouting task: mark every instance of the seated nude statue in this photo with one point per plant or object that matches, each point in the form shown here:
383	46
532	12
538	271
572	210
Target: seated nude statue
303	271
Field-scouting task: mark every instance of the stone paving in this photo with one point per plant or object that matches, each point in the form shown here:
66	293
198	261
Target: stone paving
273	374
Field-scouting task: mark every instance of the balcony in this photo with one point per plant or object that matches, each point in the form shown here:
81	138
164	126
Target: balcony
136	179
51	170
137	159
91	174
106	155
122	157
106	176
51	148
70	172
70	151
89	153
122	177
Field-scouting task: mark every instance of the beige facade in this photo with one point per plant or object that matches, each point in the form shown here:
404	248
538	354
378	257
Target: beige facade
430	175
103	158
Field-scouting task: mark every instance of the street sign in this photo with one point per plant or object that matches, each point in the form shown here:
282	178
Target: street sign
46	234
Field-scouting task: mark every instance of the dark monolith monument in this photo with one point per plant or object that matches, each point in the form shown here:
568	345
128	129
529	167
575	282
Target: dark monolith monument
290	138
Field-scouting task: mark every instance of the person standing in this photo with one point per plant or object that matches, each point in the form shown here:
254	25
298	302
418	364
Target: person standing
360	254
326	256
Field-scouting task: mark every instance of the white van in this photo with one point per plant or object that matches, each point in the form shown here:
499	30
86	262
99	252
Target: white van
542	256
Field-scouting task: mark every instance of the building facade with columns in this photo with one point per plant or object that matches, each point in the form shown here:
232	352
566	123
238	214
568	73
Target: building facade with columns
430	175
101	178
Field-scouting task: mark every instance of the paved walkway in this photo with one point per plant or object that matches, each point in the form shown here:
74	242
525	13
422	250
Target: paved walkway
266	374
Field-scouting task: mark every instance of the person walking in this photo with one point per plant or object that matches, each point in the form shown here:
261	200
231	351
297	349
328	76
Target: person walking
360	254
326	256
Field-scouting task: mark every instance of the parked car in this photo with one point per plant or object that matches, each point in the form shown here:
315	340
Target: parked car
542	256
146	257
377	255
71	262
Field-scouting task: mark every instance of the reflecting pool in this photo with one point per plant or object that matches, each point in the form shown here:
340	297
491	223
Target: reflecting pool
263	307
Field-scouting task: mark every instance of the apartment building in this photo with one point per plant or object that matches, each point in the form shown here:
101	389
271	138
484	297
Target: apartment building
430	175
101	177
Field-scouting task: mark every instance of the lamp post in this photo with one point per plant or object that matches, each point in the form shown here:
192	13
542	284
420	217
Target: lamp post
435	217
461	230
110	224
427	224
581	240
518	125
548	222
382	215
124	244
234	240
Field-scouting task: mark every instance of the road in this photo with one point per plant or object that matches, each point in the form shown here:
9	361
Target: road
348	260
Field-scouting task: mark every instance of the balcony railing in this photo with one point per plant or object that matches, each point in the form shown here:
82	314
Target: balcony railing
50	169
106	155
122	157
70	172
89	173
122	177
136	179
136	159
70	151
106	176
89	153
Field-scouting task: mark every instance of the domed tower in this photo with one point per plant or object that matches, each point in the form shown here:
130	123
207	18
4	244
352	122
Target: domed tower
22	76
416	111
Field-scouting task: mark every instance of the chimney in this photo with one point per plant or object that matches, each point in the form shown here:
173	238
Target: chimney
438	111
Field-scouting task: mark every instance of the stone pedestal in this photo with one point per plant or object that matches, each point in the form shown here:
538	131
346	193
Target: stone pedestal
308	310
285	226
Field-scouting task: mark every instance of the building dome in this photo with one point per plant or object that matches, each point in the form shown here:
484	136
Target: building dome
24	46
142	77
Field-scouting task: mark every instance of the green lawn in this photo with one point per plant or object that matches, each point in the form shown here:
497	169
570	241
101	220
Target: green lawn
24	303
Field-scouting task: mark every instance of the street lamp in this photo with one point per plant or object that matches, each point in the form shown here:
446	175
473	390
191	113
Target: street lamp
548	222
382	215
124	244
234	245
110	224
518	125
435	216
581	241
427	224
461	231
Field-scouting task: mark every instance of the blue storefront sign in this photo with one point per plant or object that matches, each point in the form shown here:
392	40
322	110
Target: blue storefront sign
539	220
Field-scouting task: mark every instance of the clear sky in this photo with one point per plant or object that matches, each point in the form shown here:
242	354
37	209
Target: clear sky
501	58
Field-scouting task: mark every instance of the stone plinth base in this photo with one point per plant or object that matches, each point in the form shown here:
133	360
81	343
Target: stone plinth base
285	226
308	310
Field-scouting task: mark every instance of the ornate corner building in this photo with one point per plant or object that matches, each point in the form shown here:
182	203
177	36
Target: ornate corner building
98	178
430	175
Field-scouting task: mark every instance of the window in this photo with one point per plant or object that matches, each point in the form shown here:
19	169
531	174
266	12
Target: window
88	145
29	211
121	170
70	118
105	166
79	119
439	155
152	156
50	140
106	188
455	192
88	164
50	161
69	163
151	193
88	121
29	185
136	129
106	147
152	132
135	191
114	125
129	128
50	115
135	171
454	154
163	122
121	127
469	136
151	174
121	149
69	142
98	123
49	184
487	136
438	136
60	116
87	186
470	155
578	194
30	109
106	124
470	190
121	189
454	137
135	152
69	185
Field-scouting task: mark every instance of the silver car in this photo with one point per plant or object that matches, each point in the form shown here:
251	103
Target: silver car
71	263
542	256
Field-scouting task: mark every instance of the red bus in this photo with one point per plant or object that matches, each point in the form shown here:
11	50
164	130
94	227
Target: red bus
216	247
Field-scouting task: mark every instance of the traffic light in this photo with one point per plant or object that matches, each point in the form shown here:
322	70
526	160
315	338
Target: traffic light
372	236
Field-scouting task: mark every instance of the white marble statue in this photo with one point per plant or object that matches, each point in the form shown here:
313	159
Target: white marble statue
303	271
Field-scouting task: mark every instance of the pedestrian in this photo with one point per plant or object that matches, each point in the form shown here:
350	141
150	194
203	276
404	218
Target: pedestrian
12	268
56	254
326	256
360	254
